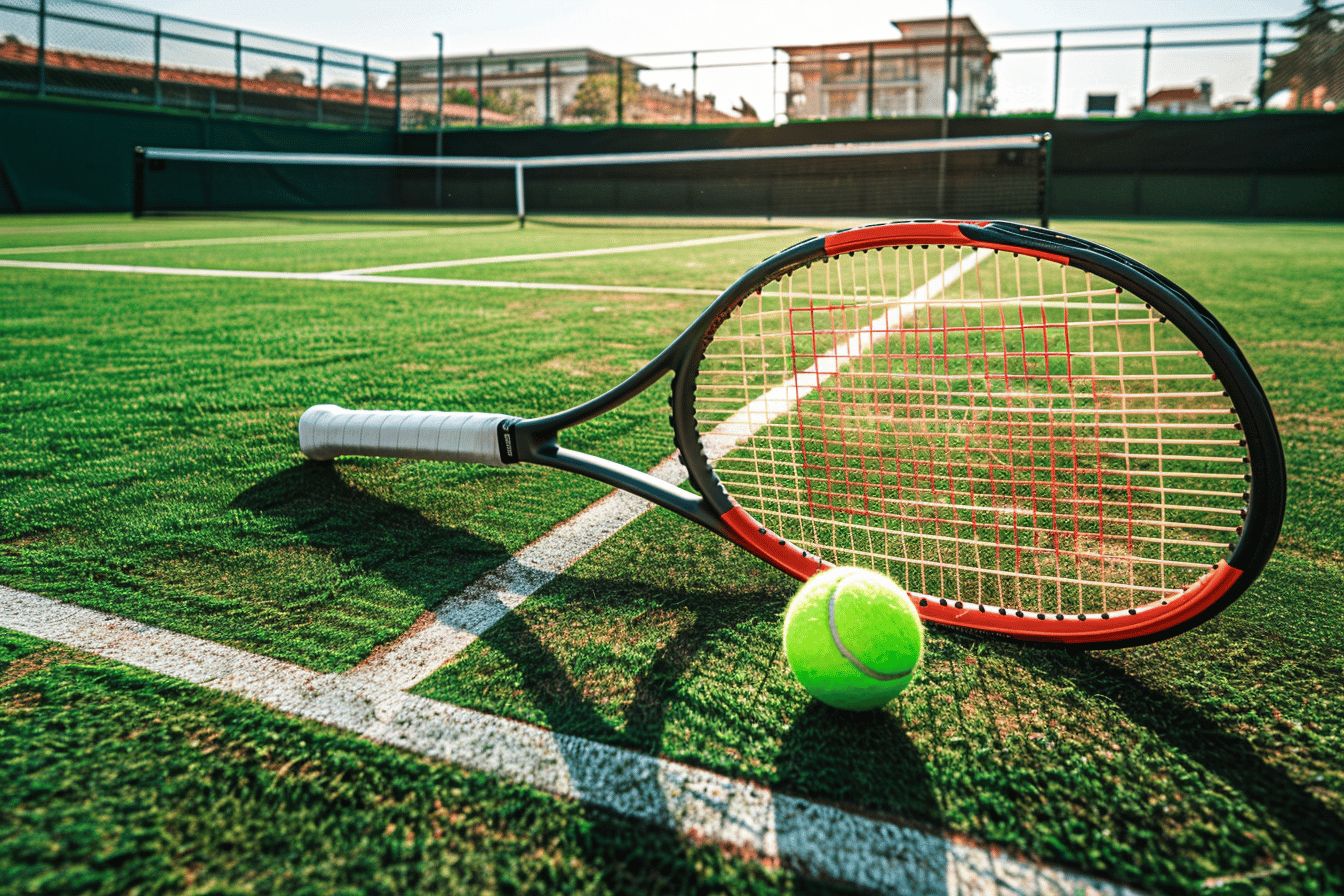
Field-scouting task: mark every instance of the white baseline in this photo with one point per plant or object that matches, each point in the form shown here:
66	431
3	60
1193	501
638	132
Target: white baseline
813	838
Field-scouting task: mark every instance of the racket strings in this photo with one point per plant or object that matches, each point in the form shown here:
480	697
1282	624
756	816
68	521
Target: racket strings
983	426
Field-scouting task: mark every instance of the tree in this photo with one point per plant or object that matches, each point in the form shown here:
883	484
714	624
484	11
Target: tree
1313	70
284	75
595	100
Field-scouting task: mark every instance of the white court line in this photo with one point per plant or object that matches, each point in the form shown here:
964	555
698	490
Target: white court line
812	838
249	240
316	276
457	622
413	656
207	241
573	253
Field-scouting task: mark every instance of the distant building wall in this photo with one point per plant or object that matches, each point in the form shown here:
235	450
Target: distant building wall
906	75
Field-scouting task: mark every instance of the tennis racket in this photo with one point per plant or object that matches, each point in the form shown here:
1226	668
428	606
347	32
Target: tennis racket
1039	437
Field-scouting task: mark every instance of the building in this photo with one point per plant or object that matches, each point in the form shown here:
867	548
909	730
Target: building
1196	100
889	78
529	87
567	85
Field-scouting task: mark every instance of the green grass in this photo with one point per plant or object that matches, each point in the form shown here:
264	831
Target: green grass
118	781
150	469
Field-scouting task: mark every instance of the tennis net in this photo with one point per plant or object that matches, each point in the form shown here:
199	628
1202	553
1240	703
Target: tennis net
968	177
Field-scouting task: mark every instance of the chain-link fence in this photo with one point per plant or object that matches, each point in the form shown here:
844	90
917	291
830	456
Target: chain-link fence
86	48
93	50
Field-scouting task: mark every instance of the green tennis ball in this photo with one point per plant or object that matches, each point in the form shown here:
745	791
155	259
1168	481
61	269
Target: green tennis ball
853	638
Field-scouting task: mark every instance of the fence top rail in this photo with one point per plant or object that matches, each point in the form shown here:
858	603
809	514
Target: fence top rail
1159	26
811	150
1139	45
57	13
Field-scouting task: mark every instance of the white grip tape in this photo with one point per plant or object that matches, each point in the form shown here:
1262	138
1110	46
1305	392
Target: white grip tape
327	431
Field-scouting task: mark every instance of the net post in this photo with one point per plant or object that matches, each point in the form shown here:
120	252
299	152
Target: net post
138	182
519	195
1046	162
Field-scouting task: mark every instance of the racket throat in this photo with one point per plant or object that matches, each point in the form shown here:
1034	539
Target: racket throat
779	552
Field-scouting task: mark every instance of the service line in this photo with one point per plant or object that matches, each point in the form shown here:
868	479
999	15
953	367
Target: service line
572	253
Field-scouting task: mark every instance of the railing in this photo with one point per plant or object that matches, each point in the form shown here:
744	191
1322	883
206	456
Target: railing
88	48
94	50
1055	72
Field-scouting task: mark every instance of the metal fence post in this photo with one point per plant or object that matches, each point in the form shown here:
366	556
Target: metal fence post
366	92
947	87
318	85
1147	56
42	47
774	84
480	91
546	72
695	82
620	91
438	130
158	60
871	59
238	72
1054	100
961	75
1261	82
396	102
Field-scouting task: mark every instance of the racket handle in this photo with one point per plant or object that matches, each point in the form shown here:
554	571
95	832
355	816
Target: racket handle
327	431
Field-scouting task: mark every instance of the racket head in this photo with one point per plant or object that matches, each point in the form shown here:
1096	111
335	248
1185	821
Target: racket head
1037	436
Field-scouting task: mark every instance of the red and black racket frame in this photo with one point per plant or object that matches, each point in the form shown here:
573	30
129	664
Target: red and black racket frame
535	440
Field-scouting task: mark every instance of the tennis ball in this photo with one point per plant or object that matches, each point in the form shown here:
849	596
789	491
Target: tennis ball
853	638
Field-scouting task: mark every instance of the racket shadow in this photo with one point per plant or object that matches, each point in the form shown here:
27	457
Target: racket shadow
425	559
399	544
1231	758
821	755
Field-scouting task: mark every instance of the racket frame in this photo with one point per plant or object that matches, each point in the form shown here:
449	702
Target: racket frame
536	440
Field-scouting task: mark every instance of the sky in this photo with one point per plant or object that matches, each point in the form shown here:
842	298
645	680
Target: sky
403	28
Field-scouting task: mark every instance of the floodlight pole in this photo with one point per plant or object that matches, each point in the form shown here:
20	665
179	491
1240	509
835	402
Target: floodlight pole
947	86
438	131
1147	59
1260	80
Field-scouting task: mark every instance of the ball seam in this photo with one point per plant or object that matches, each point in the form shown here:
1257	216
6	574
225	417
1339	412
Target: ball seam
845	651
